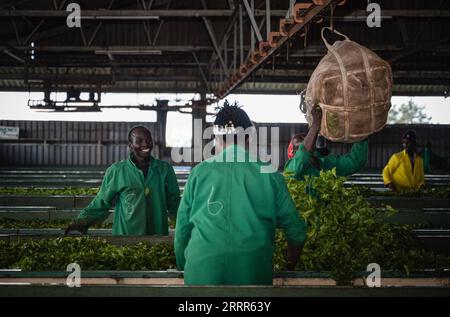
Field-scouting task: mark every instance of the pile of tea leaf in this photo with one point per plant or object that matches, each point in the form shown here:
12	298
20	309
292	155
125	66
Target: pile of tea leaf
345	233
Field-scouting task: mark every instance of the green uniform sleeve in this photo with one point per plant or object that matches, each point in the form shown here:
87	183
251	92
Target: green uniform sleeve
299	163
98	209
172	192
183	226
349	163
288	217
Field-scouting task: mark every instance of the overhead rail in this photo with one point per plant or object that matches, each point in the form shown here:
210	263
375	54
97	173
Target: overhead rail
156	14
297	19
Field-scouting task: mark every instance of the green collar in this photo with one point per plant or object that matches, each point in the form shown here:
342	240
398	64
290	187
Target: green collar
236	150
153	161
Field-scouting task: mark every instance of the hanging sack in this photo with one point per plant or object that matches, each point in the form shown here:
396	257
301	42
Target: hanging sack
353	87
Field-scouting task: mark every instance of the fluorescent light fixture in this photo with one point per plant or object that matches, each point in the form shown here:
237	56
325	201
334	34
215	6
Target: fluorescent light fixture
120	17
129	52
353	18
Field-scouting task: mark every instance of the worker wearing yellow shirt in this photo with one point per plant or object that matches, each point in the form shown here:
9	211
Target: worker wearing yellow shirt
405	169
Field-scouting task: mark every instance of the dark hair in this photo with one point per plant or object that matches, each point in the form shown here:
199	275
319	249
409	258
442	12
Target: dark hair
410	135
232	115
137	127
299	136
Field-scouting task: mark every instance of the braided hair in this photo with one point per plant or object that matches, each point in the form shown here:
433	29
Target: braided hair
231	120
232	116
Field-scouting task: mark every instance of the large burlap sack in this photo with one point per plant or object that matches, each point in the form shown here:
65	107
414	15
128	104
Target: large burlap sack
353	87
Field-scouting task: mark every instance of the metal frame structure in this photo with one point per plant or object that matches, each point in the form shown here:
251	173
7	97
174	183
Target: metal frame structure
214	47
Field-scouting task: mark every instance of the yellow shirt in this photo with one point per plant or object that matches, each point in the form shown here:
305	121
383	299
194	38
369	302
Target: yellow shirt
399	172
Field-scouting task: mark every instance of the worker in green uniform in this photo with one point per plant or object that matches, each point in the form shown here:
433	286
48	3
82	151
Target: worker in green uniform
225	230
145	189
308	160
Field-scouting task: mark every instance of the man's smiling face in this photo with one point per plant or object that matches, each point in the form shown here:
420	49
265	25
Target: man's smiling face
141	144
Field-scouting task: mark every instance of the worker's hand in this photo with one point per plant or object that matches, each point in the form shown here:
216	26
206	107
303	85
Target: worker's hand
392	187
76	226
292	256
315	162
316	114
323	151
290	266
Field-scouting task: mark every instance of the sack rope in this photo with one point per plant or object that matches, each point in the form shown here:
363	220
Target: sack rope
344	80
331	18
371	90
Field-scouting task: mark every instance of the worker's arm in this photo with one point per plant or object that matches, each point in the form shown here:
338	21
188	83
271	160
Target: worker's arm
299	164
349	163
310	139
172	192
301	161
293	253
184	226
290	221
388	171
98	209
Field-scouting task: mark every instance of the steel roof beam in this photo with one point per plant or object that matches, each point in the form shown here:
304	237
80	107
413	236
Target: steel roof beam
231	23
202	74
123	49
146	14
250	88
13	3
310	51
252	20
214	42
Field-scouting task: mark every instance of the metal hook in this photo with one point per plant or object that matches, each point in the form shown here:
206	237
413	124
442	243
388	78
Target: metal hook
302	104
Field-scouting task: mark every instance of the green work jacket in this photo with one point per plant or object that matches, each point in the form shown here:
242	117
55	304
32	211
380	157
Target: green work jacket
347	164
226	221
142	205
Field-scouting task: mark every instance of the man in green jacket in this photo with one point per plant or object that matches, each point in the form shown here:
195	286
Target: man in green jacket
145	189
309	161
229	211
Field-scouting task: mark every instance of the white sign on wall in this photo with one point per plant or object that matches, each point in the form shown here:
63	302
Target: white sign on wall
9	133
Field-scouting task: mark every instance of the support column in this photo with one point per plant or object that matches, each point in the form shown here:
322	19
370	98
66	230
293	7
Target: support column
161	124
197	138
